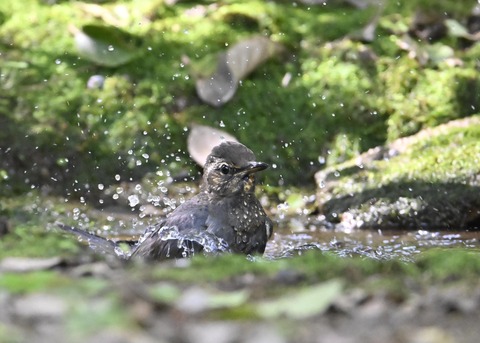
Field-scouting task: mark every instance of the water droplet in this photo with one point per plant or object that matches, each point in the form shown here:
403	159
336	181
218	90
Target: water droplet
133	200
110	48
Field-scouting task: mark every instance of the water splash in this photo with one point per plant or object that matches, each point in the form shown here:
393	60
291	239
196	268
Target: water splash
187	241
378	245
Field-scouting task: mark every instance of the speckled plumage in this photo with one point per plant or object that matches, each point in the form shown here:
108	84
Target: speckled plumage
226	207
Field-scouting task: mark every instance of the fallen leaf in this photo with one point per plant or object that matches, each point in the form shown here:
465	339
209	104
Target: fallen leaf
426	53
455	29
196	300
165	293
245	56
105	45
438	52
23	264
304	303
202	139
219	86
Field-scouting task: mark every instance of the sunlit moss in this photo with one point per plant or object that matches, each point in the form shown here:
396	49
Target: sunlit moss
416	97
343	96
432	184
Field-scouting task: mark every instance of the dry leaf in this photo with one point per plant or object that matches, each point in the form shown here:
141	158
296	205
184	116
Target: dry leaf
235	64
105	45
202	139
196	300
305	303
24	264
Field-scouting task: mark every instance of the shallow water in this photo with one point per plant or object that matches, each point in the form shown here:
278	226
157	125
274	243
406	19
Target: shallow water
377	244
288	240
391	244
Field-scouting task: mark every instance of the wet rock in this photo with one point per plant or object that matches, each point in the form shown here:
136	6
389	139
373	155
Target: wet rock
421	181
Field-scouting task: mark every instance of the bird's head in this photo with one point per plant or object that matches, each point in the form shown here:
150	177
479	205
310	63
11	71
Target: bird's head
230	169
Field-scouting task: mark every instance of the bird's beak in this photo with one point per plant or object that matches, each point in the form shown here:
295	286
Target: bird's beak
253	167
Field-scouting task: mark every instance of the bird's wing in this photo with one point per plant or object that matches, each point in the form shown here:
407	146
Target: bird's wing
176	236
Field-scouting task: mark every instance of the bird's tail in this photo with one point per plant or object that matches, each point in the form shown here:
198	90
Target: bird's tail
96	243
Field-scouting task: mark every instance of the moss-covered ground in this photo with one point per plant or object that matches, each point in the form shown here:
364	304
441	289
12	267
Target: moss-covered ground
329	96
133	300
344	96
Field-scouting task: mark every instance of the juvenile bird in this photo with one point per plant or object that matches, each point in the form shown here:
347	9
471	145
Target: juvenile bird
225	209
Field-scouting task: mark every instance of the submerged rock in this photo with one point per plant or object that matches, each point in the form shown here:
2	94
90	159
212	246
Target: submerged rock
430	180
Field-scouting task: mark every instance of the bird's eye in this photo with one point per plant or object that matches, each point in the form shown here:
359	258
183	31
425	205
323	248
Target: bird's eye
224	169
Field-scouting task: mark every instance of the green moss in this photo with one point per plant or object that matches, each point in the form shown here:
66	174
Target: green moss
10	335
33	282
418	98
339	101
431	184
29	240
312	266
451	8
450	264
98	133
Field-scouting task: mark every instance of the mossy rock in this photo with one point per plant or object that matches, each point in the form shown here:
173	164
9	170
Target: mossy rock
426	181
